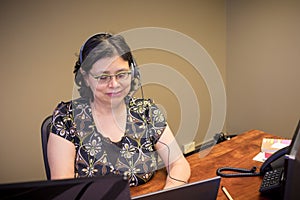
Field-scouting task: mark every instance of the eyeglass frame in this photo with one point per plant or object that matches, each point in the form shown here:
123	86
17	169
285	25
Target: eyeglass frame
109	76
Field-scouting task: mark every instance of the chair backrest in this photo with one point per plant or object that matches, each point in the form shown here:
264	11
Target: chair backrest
45	131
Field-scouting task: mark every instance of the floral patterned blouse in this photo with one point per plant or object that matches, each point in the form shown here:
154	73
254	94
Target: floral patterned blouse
134	156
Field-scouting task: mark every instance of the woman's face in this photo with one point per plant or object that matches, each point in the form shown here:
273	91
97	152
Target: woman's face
109	80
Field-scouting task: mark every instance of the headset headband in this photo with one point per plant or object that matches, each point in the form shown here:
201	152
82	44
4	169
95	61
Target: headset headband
82	47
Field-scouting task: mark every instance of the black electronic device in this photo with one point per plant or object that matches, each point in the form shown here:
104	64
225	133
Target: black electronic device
278	171
207	189
108	187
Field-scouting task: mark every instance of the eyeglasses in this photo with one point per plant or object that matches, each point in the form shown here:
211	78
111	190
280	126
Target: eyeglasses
106	78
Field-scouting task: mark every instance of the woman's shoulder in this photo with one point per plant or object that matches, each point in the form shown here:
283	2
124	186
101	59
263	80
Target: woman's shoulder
67	106
63	104
134	101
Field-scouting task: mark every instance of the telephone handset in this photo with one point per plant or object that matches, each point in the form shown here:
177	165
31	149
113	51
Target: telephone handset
276	160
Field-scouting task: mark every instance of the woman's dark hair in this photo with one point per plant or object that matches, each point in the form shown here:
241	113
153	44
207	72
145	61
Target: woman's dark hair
102	45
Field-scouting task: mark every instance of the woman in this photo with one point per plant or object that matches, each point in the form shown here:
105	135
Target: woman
106	130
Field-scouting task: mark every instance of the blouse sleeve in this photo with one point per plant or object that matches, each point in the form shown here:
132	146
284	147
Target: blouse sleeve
62	121
156	121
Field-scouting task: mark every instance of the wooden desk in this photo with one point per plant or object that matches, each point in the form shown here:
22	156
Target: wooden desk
237	152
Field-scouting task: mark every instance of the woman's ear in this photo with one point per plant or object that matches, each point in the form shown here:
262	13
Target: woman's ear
85	77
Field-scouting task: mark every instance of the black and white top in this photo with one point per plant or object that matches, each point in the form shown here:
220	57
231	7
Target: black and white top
134	156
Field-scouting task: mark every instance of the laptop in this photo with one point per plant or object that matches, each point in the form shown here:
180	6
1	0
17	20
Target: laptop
100	188
205	189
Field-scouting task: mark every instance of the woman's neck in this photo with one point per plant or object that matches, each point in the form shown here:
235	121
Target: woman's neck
110	121
105	109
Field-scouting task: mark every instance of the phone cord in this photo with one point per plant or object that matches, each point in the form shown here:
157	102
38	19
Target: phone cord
241	172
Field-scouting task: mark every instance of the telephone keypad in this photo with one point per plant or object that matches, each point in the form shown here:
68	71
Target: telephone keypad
271	180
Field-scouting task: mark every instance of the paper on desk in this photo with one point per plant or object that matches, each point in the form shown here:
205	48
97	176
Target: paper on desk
260	157
269	146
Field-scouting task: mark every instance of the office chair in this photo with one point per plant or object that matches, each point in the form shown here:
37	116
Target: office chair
45	131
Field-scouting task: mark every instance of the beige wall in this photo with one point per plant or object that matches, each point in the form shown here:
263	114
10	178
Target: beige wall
263	65
39	40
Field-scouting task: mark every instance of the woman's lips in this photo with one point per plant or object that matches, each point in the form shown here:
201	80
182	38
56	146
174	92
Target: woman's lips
114	94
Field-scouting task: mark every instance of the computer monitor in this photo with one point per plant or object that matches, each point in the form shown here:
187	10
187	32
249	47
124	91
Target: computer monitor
292	168
103	188
206	189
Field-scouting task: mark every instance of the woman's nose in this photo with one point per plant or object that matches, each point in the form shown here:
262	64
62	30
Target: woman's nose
113	82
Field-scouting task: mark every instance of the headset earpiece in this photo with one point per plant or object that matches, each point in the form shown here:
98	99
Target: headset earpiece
134	70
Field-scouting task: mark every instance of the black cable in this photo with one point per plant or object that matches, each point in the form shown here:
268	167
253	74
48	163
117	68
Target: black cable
168	164
142	92
241	172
